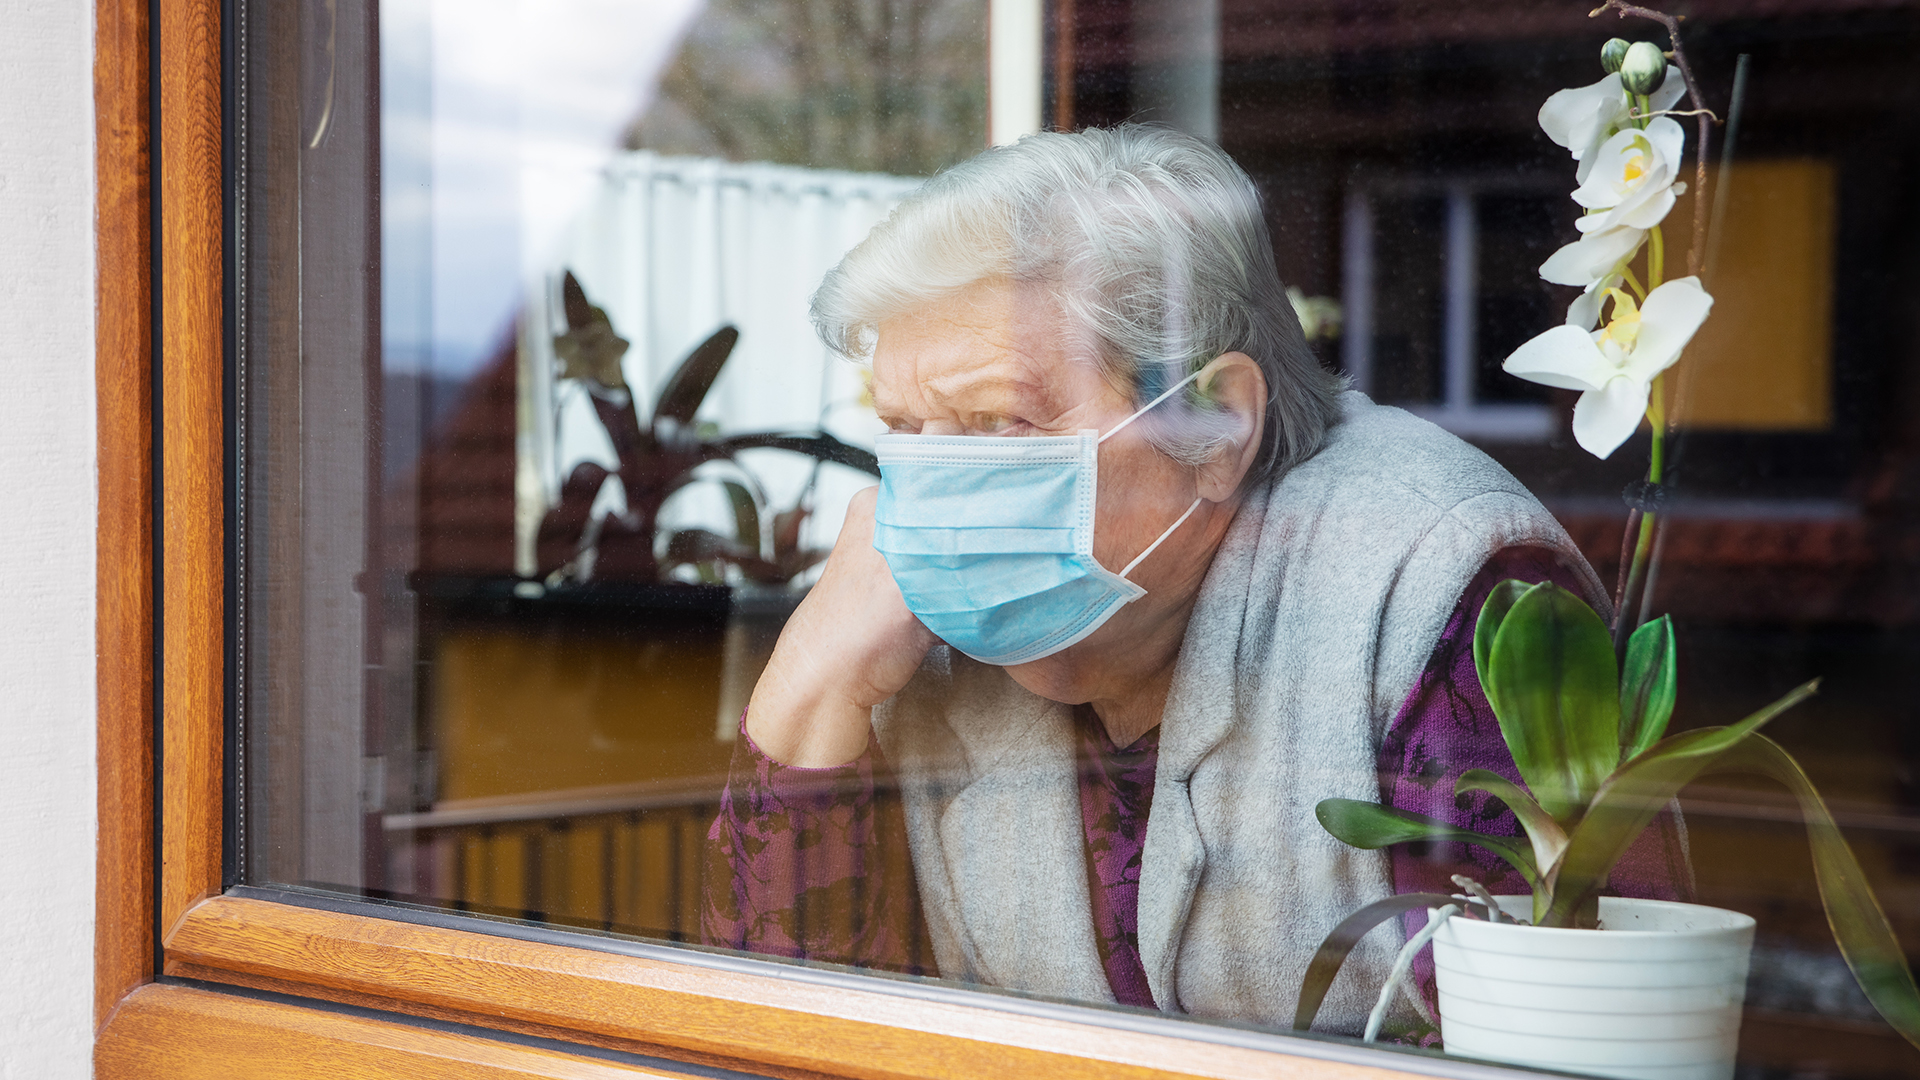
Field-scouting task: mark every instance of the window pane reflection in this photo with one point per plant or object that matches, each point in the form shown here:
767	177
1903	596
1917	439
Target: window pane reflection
542	453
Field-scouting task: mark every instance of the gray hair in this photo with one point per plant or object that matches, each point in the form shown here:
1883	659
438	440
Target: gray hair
1154	246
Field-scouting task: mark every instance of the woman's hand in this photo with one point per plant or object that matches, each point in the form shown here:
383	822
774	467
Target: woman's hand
850	645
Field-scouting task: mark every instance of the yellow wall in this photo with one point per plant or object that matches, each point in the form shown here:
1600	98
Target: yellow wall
1763	361
529	712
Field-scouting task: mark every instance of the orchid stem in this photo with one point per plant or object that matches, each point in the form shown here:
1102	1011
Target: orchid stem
1626	274
1658	113
1625	620
1620	583
1628	615
1657	419
1628	618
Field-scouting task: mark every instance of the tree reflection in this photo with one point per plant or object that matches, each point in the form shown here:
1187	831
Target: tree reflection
870	85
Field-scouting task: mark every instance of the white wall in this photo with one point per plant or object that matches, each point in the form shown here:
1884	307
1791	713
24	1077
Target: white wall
46	539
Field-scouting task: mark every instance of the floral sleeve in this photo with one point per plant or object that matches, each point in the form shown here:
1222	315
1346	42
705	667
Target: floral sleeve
812	864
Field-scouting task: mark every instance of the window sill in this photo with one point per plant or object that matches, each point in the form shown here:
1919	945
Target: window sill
719	1010
181	1032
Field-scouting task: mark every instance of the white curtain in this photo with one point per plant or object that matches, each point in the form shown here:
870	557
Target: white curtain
673	249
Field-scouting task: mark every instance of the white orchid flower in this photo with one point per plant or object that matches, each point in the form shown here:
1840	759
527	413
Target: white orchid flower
1632	182
1585	309
1589	263
1591	257
1584	118
1615	366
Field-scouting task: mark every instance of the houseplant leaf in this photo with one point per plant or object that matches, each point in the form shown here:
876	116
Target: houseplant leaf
1554	687
687	387
1859	925
746	515
1647	685
1546	835
589	349
1492	612
1325	965
1640	789
820	446
1370	826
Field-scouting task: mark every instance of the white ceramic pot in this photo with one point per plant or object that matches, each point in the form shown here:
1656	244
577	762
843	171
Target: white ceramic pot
1654	994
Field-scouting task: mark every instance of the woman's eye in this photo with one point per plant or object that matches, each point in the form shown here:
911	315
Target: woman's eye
992	423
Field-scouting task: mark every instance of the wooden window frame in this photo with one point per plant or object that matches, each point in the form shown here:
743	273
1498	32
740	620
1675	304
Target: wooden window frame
193	979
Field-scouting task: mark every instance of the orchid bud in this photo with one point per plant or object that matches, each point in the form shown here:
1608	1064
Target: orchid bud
1612	53
1643	68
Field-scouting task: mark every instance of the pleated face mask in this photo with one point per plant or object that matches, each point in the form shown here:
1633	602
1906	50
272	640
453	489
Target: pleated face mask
990	538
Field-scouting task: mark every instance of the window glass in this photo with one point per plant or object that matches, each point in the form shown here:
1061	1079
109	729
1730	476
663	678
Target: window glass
1212	428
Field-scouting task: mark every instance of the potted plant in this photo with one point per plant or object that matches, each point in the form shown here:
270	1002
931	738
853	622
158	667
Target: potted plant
1568	978
658	456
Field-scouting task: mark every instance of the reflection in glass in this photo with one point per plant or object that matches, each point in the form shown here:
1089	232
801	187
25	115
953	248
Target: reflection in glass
671	451
542	451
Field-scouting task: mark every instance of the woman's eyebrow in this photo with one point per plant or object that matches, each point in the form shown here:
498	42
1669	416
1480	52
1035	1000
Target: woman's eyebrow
999	391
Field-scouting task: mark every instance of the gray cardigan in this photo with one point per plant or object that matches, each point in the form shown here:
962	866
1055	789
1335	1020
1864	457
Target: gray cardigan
1319	612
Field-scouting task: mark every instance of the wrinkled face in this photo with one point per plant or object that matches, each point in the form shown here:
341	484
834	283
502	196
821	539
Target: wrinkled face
991	360
995	360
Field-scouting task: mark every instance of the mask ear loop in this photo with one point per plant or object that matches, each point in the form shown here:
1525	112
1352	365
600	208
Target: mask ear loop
1142	410
1140	558
1115	430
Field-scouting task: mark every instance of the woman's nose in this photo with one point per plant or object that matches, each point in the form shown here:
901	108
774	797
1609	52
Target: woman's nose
943	426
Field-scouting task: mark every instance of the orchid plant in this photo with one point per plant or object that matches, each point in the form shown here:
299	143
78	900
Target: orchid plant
1584	712
1629	153
1589	740
1627	327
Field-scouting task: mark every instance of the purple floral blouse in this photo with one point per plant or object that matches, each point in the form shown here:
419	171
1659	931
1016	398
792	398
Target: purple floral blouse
813	863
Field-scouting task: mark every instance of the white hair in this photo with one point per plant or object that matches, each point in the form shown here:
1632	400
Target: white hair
1154	246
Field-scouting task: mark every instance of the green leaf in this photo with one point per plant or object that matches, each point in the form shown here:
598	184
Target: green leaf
1632	796
1370	825
1333	951
1492	614
1554	687
1647	687
1859	925
746	515
1548	838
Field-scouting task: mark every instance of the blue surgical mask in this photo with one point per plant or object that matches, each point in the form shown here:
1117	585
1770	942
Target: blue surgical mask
991	538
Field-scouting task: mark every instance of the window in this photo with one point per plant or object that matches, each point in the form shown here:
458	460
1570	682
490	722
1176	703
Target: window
1439	355
533	453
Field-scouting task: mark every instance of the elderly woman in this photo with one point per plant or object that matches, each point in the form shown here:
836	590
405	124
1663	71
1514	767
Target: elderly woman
1139	587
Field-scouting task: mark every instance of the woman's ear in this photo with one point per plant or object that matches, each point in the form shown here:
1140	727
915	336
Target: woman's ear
1238	389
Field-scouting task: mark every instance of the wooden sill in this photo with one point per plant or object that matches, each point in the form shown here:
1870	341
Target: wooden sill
747	1019
181	1033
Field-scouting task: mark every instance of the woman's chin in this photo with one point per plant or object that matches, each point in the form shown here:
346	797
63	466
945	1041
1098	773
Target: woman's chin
1061	677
